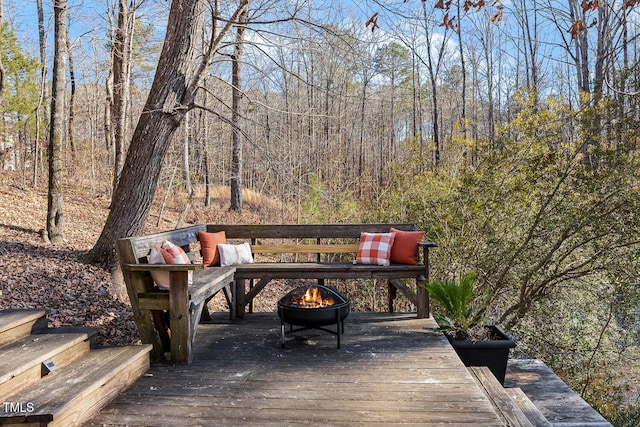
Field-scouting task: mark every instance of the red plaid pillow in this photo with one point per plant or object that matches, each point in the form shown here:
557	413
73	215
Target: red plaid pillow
375	248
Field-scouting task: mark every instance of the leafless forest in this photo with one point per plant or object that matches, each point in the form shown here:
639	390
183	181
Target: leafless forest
507	129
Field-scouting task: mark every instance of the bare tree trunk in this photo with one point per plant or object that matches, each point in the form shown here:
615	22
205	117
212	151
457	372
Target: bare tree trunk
207	131
581	48
463	70
434	69
2	66
43	86
186	173
121	73
55	217
172	93
72	81
236	161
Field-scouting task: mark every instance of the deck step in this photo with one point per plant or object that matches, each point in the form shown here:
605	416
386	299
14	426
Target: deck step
16	324
91	331
513	406
72	395
529	409
22	361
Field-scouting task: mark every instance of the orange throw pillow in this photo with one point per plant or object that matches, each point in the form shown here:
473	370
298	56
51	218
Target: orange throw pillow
405	246
209	246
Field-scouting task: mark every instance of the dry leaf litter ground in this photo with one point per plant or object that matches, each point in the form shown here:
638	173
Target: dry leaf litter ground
34	274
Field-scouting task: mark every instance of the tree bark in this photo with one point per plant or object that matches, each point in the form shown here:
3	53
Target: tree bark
1	66
434	69
463	70
121	74
236	161
55	200
172	94
72	98
186	168
43	88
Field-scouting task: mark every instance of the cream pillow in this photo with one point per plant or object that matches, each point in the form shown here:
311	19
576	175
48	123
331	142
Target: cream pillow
235	254
168	253
160	278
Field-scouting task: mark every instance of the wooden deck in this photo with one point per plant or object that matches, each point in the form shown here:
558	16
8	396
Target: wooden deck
391	369
559	404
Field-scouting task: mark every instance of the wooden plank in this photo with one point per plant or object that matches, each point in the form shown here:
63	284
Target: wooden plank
303	231
557	402
19	323
179	318
399	284
209	281
20	362
162	267
68	397
137	284
508	410
12	318
182	237
305	249
527	407
327	270
392	369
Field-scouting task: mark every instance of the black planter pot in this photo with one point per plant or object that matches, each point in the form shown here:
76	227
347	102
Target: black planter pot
492	353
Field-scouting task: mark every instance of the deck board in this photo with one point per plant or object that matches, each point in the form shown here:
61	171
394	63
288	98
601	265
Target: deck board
559	404
391	369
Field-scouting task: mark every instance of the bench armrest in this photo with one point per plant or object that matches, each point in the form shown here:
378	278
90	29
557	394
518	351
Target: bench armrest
163	267
425	253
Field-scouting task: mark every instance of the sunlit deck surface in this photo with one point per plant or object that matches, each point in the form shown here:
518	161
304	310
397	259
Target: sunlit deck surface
391	369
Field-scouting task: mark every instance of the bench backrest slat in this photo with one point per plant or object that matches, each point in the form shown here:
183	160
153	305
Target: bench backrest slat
303	231
181	237
304	249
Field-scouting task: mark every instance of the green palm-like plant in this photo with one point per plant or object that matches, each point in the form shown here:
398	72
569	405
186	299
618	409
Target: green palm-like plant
457	315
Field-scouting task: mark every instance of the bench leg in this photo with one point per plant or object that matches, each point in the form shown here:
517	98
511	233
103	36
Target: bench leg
239	295
423	299
162	328
179	318
391	296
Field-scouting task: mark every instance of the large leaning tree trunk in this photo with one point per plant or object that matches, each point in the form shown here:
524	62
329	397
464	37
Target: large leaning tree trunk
55	200
172	94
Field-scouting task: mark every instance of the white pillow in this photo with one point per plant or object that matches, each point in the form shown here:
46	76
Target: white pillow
168	253
235	254
160	278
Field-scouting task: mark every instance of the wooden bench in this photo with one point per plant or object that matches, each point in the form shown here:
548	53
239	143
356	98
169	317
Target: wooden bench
316	252
320	251
186	304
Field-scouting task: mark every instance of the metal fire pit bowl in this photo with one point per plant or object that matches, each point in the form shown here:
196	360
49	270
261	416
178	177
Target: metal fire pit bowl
313	318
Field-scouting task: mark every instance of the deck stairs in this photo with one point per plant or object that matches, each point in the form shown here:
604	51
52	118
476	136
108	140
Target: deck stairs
511	404
534	396
56	376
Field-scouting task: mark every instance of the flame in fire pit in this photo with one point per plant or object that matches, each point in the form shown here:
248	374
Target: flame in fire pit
312	298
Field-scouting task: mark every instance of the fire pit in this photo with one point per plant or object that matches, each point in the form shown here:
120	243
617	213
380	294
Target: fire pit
313	307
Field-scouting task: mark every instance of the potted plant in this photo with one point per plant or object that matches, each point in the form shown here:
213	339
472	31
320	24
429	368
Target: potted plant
475	343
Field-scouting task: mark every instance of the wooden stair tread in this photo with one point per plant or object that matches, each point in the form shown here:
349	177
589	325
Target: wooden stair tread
21	355
19	323
506	407
14	317
529	409
70	396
